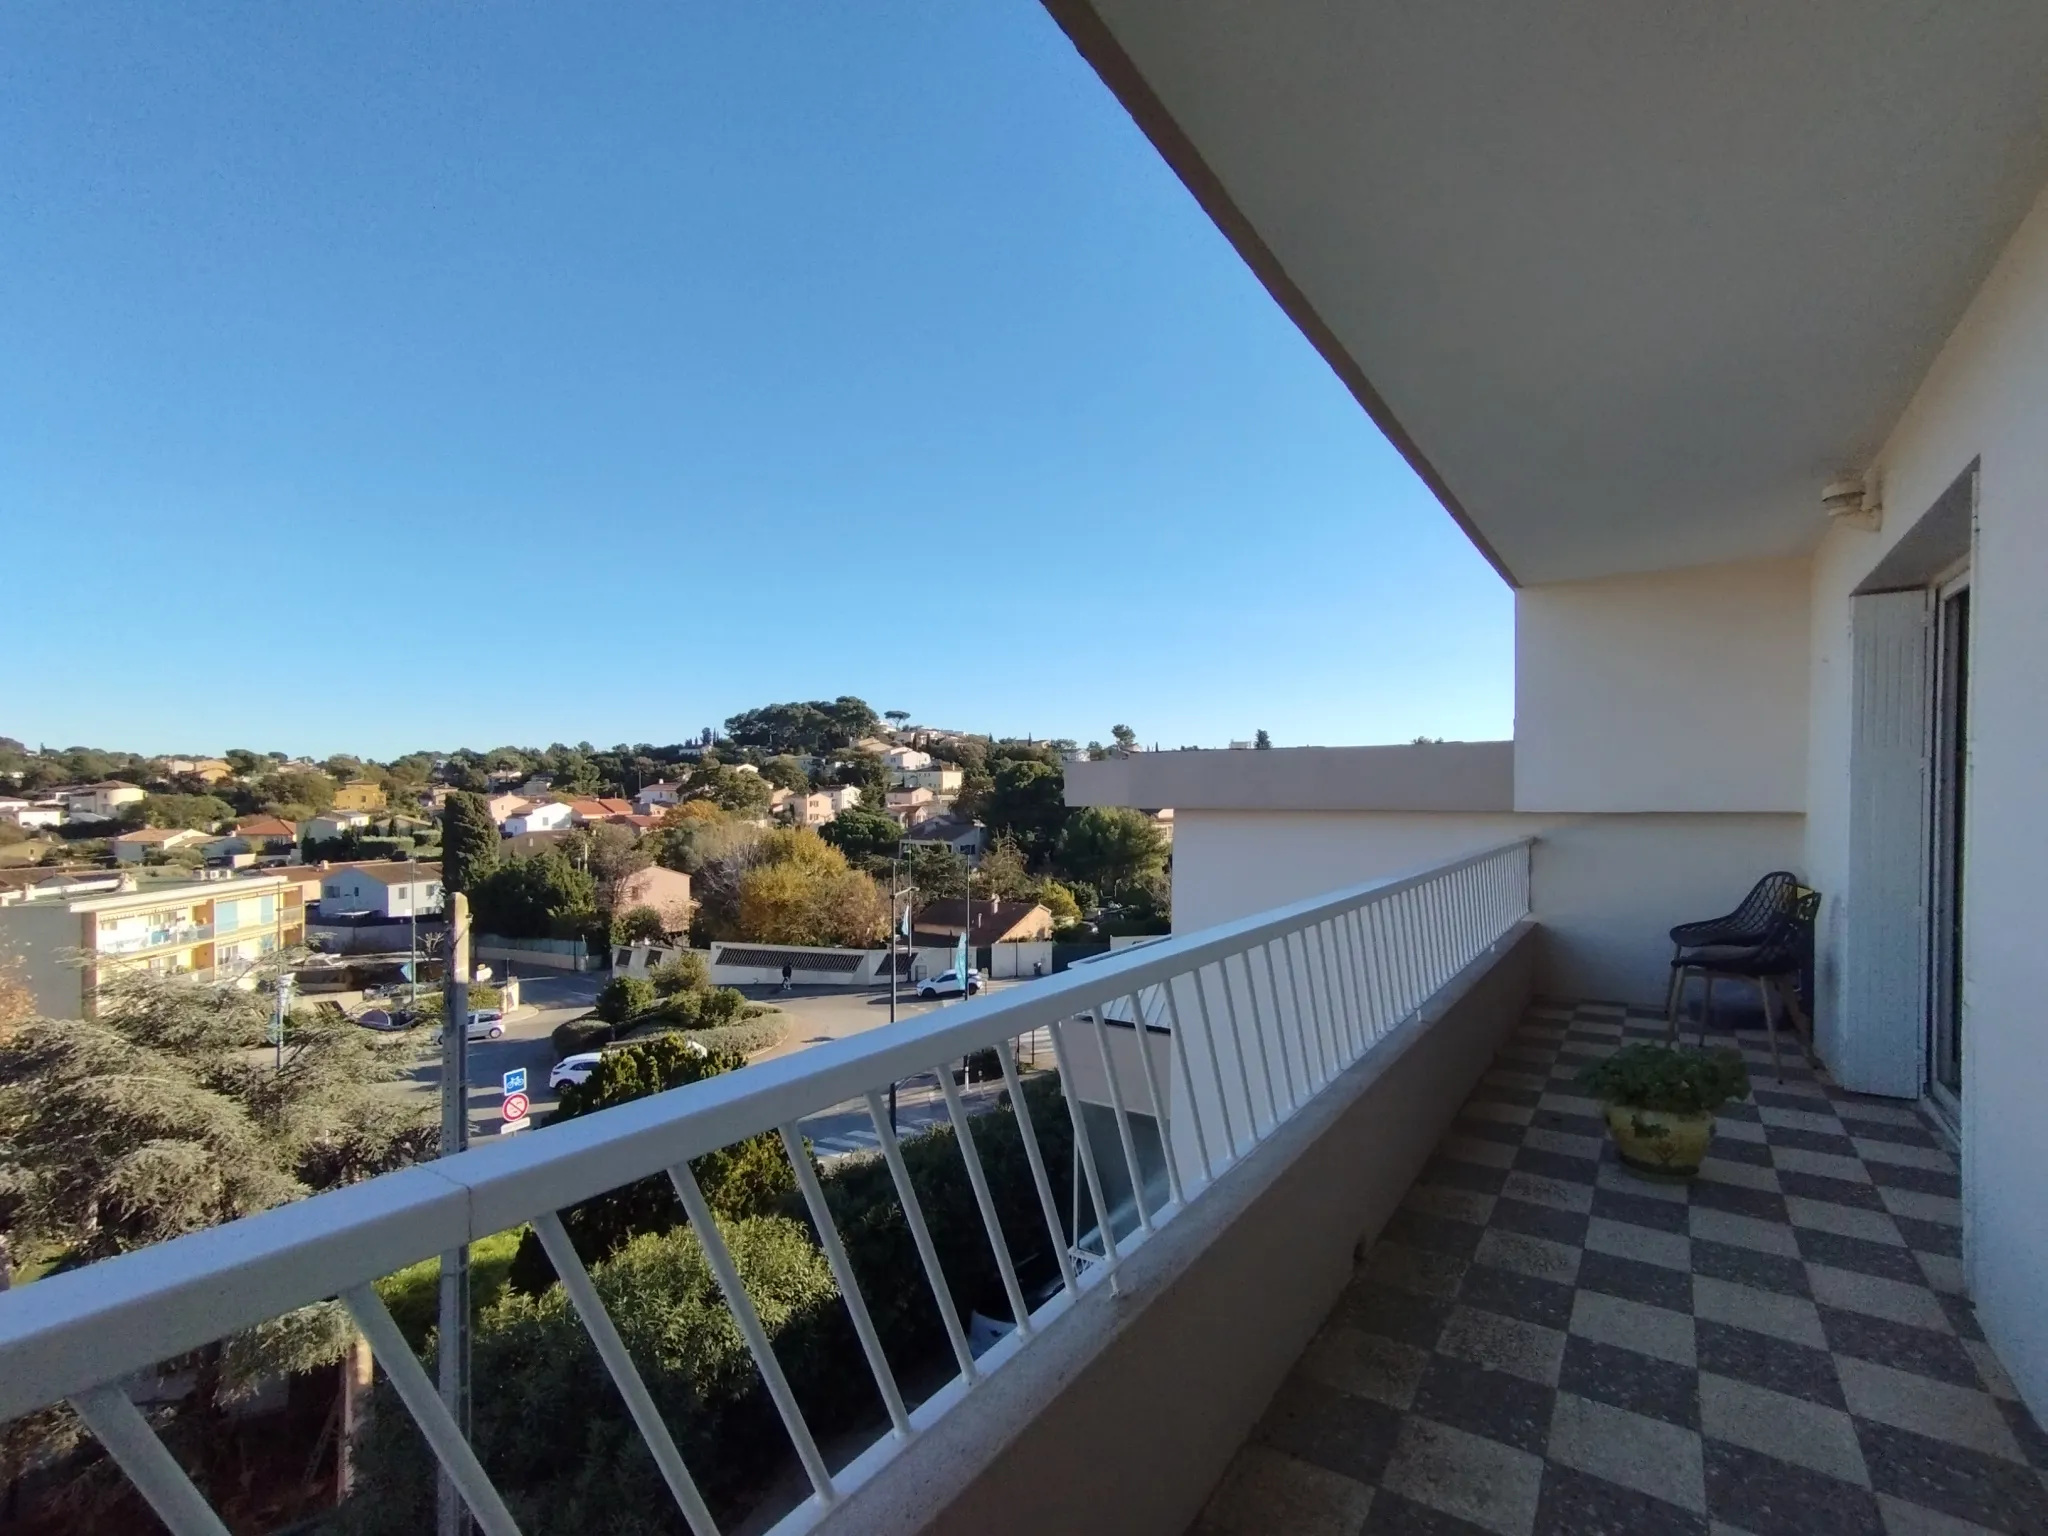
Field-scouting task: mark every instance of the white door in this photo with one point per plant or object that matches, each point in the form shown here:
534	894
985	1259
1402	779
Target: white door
1878	1039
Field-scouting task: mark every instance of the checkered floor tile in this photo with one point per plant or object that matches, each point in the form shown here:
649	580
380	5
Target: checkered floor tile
1543	1343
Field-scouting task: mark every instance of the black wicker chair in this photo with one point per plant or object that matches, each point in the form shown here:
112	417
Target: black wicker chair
1743	927
1775	962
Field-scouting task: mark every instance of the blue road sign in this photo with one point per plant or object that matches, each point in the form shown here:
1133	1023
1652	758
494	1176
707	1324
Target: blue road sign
515	1080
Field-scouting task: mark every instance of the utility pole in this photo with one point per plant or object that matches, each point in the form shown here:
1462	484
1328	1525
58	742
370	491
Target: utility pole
453	1514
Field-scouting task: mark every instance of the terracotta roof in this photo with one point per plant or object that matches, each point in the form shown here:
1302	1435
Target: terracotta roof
265	826
993	921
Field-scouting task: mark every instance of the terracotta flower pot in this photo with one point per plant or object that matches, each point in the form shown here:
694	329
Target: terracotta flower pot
1660	1141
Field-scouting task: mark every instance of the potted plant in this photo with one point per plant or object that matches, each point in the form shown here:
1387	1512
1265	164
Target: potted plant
1661	1102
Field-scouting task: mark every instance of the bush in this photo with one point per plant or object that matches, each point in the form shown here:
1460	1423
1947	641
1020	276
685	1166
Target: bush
580	1035
748	1178
557	1436
483	995
623	998
639	923
1646	1076
743	1039
684	971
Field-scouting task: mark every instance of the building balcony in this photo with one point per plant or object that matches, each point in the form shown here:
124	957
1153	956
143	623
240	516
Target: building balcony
1316	1236
155	938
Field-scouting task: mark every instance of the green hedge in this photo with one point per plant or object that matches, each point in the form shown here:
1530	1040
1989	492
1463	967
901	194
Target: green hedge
547	1419
551	1426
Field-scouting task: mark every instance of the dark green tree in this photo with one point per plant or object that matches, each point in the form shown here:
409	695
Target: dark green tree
543	897
469	841
1262	741
1029	803
786	773
1114	848
860	833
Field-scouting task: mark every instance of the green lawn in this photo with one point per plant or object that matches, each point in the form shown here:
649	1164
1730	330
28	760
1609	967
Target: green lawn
414	1293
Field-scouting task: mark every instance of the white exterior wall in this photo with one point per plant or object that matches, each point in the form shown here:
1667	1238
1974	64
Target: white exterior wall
1608	889
1676	691
1986	397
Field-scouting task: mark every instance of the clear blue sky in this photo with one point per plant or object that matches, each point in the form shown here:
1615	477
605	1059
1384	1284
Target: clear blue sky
382	376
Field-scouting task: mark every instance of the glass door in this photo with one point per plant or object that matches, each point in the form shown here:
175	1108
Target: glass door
1945	866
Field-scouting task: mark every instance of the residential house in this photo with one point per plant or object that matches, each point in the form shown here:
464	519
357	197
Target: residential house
71	944
331	824
968	839
666	890
538	786
940	778
504	807
29	815
386	888
841	797
657	797
97	802
905	759
542	816
435	796
986	922
208	770
588	812
359	795
900	802
811	810
146	842
262	836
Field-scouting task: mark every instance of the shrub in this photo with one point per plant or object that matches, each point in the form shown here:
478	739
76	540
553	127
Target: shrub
623	998
743	1039
483	995
747	1178
639	923
580	1035
1646	1076
556	1434
684	971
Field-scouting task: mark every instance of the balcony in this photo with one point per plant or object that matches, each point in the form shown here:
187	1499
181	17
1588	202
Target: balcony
1535	1342
155	938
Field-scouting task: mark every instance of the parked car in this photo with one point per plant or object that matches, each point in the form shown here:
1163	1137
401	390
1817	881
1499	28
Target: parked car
388	1020
484	1024
574	1069
948	985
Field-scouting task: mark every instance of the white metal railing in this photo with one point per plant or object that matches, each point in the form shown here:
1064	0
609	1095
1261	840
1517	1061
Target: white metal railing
1265	1013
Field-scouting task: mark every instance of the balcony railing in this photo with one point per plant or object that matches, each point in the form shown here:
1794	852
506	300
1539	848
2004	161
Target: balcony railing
1261	1015
155	938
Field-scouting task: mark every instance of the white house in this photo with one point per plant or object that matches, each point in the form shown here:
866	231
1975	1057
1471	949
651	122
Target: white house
938	778
547	816
388	888
905	759
841	797
331	824
31	814
658	796
97	802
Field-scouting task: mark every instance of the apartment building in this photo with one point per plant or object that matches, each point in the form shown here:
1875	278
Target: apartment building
215	930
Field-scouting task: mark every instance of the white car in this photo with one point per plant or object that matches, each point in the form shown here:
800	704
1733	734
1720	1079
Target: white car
949	985
484	1024
574	1069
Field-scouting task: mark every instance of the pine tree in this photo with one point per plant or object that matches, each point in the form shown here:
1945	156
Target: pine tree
469	841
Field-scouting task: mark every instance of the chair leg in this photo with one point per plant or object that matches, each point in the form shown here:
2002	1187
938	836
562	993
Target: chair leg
1763	990
1802	1026
1706	1005
1672	994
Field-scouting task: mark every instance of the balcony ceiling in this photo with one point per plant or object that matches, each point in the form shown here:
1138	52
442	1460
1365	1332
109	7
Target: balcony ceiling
1627	283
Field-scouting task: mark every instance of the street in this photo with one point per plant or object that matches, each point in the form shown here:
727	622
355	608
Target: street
549	999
